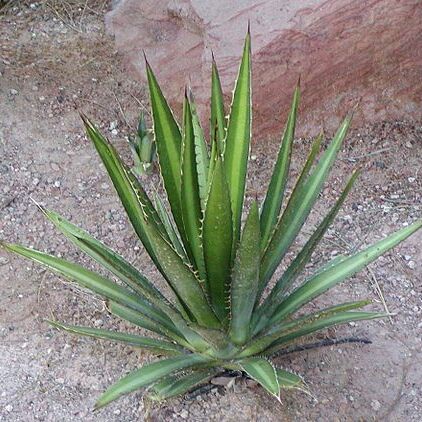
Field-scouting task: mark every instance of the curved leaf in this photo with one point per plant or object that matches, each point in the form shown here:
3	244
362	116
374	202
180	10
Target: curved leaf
92	281
131	339
147	375
263	372
320	324
324	280
108	259
177	385
283	328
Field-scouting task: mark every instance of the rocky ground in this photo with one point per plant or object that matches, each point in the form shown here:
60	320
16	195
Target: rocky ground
56	60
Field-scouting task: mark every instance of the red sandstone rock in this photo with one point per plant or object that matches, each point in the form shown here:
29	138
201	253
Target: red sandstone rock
344	50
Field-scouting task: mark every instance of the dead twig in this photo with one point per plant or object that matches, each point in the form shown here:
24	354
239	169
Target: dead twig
359	157
379	292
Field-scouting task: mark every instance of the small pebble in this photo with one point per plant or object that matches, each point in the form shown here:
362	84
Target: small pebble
411	179
8	408
184	414
3	260
376	405
57	183
13	92
411	264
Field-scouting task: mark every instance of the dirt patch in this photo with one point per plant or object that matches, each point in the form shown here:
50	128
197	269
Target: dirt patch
56	61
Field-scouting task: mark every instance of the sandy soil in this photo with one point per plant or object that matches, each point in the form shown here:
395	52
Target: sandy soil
55	60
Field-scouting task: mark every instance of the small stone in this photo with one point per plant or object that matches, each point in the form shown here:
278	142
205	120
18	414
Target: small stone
411	179
104	186
57	183
98	322
8	408
114	132
251	383
13	92
348	218
117	412
3	260
223	381
253	157
60	380
407	257
113	125
42	99
408	144
376	405
411	264
184	414
35	181
54	167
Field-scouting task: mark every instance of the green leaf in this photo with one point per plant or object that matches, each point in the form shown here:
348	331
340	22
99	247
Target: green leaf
320	324
191	205
245	278
201	154
92	281
218	120
168	224
108	259
143	320
288	380
147	375
131	339
238	137
299	207
282	329
275	193
303	257
178	385
263	372
169	141
182	280
324	280
132	196
217	240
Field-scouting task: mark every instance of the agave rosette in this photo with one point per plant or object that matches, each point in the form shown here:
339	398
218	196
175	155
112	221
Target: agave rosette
215	315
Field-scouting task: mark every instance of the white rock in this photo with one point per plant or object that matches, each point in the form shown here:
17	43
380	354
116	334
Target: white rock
376	405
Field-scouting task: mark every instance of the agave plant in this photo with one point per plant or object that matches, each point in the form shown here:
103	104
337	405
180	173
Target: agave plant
220	311
143	149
